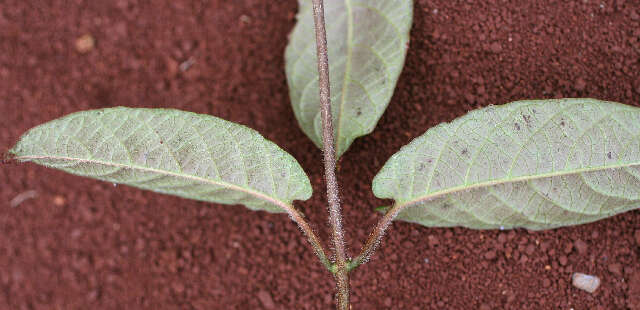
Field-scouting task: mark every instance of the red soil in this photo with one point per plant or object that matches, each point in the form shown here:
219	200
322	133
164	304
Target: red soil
83	244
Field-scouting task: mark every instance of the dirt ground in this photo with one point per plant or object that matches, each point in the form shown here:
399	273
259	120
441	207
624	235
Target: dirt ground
74	243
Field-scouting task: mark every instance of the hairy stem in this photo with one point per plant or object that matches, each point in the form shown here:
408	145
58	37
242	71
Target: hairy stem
312	237
375	237
329	152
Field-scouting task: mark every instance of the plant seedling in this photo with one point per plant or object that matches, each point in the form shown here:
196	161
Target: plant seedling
536	164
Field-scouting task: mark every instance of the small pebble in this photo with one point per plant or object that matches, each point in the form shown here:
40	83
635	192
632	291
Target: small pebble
615	268
563	260
432	240
580	85
581	246
245	19
585	282
266	300
388	302
185	65
243	271
568	248
22	197
59	201
85	44
470	97
490	255
178	287
172	67
496	47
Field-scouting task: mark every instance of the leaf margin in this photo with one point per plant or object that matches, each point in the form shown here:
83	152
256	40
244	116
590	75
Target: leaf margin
284	206
315	133
399	206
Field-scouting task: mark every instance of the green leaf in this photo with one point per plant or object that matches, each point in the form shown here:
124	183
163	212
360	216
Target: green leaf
367	42
535	164
169	151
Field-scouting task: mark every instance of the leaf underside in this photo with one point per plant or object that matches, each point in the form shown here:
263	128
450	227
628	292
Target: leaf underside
535	164
180	153
367	43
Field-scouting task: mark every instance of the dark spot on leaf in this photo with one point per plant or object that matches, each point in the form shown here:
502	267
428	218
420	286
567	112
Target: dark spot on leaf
358	112
446	206
562	122
534	111
527	118
517	126
161	142
429	160
609	155
421	167
465	151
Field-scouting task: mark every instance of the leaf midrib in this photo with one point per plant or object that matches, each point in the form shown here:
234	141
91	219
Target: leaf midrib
283	205
491	183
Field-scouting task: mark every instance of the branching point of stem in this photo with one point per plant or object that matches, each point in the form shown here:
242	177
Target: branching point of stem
375	237
314	241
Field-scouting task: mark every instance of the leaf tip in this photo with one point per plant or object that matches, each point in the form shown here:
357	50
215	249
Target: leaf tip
382	209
